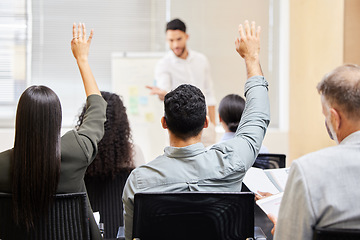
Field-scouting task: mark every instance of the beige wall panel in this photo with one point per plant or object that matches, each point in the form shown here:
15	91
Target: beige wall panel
352	32
316	47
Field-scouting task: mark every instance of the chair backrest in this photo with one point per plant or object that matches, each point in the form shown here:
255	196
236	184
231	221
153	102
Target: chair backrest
67	219
105	198
335	234
270	161
193	215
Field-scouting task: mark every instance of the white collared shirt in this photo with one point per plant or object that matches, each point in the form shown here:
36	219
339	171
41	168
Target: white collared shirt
172	71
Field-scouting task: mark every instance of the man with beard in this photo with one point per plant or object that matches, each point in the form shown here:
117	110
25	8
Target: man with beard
182	65
321	190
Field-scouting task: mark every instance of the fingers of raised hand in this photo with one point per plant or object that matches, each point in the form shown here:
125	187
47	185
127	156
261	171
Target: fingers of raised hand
247	28
258	32
241	31
83	31
248	31
252	28
91	35
79	31
74	31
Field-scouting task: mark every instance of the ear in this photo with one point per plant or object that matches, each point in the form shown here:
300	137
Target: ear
335	118
187	36
206	123
220	119
163	123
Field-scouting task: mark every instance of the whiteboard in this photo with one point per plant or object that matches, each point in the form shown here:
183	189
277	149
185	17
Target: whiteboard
131	72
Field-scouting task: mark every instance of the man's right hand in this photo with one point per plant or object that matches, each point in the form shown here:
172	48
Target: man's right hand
157	91
248	46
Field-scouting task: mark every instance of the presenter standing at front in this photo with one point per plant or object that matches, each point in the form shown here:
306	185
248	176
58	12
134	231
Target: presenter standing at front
182	65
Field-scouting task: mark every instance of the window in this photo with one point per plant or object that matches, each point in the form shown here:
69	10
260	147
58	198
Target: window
121	25
45	58
13	54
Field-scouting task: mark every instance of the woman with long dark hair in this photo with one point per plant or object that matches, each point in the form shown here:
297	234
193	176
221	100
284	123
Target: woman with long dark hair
42	163
117	157
115	150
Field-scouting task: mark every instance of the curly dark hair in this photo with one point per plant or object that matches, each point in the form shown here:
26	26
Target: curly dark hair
115	150
185	111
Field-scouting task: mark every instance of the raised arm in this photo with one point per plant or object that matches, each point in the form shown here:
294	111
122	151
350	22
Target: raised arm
256	115
80	48
248	46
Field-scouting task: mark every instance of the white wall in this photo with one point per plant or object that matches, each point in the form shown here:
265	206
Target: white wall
6	138
212	26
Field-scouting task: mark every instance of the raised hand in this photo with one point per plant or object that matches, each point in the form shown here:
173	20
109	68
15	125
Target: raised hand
249	43
80	48
79	44
248	46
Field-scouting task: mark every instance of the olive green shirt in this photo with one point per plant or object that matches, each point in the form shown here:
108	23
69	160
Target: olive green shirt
78	150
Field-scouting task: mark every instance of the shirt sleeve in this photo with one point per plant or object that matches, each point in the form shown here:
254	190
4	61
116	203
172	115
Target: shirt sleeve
208	86
253	124
162	76
128	201
296	216
91	130
241	151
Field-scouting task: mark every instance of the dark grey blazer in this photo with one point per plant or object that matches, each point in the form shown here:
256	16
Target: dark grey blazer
78	150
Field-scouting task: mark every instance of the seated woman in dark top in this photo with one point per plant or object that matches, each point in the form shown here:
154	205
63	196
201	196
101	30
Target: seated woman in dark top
117	157
42	163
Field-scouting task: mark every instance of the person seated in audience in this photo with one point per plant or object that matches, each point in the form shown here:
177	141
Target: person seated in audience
42	163
322	186
117	156
230	110
186	164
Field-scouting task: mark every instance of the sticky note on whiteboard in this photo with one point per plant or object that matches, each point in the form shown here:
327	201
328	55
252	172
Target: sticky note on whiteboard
133	105
149	117
133	91
143	100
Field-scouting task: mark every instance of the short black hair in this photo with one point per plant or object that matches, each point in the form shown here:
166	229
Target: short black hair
231	108
176	24
185	111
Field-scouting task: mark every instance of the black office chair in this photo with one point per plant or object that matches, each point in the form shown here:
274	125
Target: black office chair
105	198
193	215
335	234
67	219
270	161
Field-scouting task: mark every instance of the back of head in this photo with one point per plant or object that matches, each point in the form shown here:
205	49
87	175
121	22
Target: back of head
176	24
115	150
231	108
185	111
37	154
341	88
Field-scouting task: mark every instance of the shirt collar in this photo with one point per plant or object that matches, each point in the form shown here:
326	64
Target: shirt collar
352	138
177	59
188	151
227	136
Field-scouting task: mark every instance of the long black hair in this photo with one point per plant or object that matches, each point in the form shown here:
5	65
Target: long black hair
37	154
